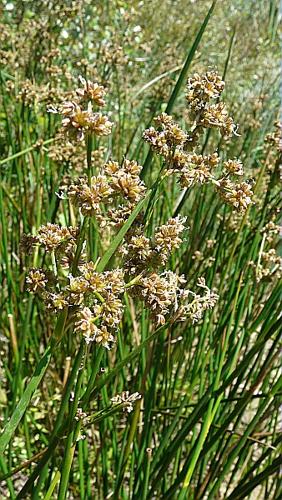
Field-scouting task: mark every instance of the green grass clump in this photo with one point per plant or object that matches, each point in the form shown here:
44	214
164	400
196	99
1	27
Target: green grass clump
139	256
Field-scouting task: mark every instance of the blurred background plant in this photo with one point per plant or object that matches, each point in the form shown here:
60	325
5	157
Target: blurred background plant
207	422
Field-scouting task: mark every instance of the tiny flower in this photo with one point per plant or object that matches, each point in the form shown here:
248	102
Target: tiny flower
56	301
100	125
104	336
78	117
92	91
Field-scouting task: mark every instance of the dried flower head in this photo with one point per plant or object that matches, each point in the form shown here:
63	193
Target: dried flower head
130	187
216	116
161	293
177	146
36	280
118	184
111	311
56	301
89	197
86	324
198	169
104	337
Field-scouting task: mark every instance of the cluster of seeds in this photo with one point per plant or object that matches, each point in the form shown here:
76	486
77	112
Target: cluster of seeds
201	89
177	146
163	292
93	298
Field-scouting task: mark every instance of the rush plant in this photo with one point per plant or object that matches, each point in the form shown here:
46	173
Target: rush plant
139	252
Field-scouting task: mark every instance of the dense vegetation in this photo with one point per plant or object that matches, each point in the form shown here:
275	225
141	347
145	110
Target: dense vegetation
139	259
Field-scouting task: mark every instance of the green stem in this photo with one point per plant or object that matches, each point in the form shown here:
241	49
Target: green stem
71	439
52	486
54	439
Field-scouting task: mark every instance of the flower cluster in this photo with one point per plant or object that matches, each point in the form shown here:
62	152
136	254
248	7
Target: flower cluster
202	88
141	253
168	136
100	308
118	187
54	239
90	91
95	300
78	115
168	300
162	294
195	308
234	167
238	196
177	147
36	280
216	116
198	169
126	400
